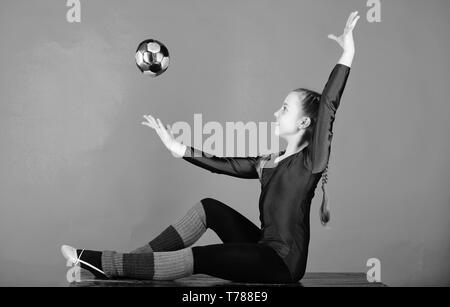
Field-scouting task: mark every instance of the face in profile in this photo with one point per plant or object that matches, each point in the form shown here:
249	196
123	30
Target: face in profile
290	118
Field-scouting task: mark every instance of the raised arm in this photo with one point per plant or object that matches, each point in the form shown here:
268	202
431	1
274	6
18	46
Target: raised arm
323	131
245	167
320	146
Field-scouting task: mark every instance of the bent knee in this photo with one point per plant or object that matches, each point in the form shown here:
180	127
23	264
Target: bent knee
212	204
209	201
213	209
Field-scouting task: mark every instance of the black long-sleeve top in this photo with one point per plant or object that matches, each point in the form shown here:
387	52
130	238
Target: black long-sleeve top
287	187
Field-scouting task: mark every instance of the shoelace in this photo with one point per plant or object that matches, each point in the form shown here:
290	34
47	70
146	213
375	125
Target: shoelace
79	258
88	264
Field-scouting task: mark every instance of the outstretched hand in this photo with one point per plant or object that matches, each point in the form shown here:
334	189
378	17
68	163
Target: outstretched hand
164	133
346	39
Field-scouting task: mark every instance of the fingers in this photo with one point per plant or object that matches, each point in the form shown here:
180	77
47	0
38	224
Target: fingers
155	124
162	128
164	132
351	18
352	26
150	122
160	124
149	125
333	37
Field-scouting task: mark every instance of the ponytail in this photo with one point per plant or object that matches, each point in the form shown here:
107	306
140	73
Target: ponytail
324	209
310	105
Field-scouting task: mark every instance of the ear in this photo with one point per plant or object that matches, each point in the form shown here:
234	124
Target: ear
304	122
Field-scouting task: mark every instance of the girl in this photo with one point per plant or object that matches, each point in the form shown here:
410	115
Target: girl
276	253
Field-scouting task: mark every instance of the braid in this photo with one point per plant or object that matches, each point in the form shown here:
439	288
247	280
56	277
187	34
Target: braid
325	176
310	104
324	208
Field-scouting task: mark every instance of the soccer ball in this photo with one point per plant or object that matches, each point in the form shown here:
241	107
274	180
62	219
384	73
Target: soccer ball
152	57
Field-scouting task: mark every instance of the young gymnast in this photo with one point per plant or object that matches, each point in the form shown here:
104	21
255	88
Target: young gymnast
275	253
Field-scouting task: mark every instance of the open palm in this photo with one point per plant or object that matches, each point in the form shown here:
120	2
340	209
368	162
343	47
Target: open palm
164	133
346	39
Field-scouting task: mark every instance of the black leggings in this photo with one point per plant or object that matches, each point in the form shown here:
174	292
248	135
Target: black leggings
240	258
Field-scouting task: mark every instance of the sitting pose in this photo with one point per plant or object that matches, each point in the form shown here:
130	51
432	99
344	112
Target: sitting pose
275	253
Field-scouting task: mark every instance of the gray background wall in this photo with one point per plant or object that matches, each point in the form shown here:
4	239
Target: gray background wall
77	167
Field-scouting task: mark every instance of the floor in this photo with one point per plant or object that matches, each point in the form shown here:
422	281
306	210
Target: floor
201	280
